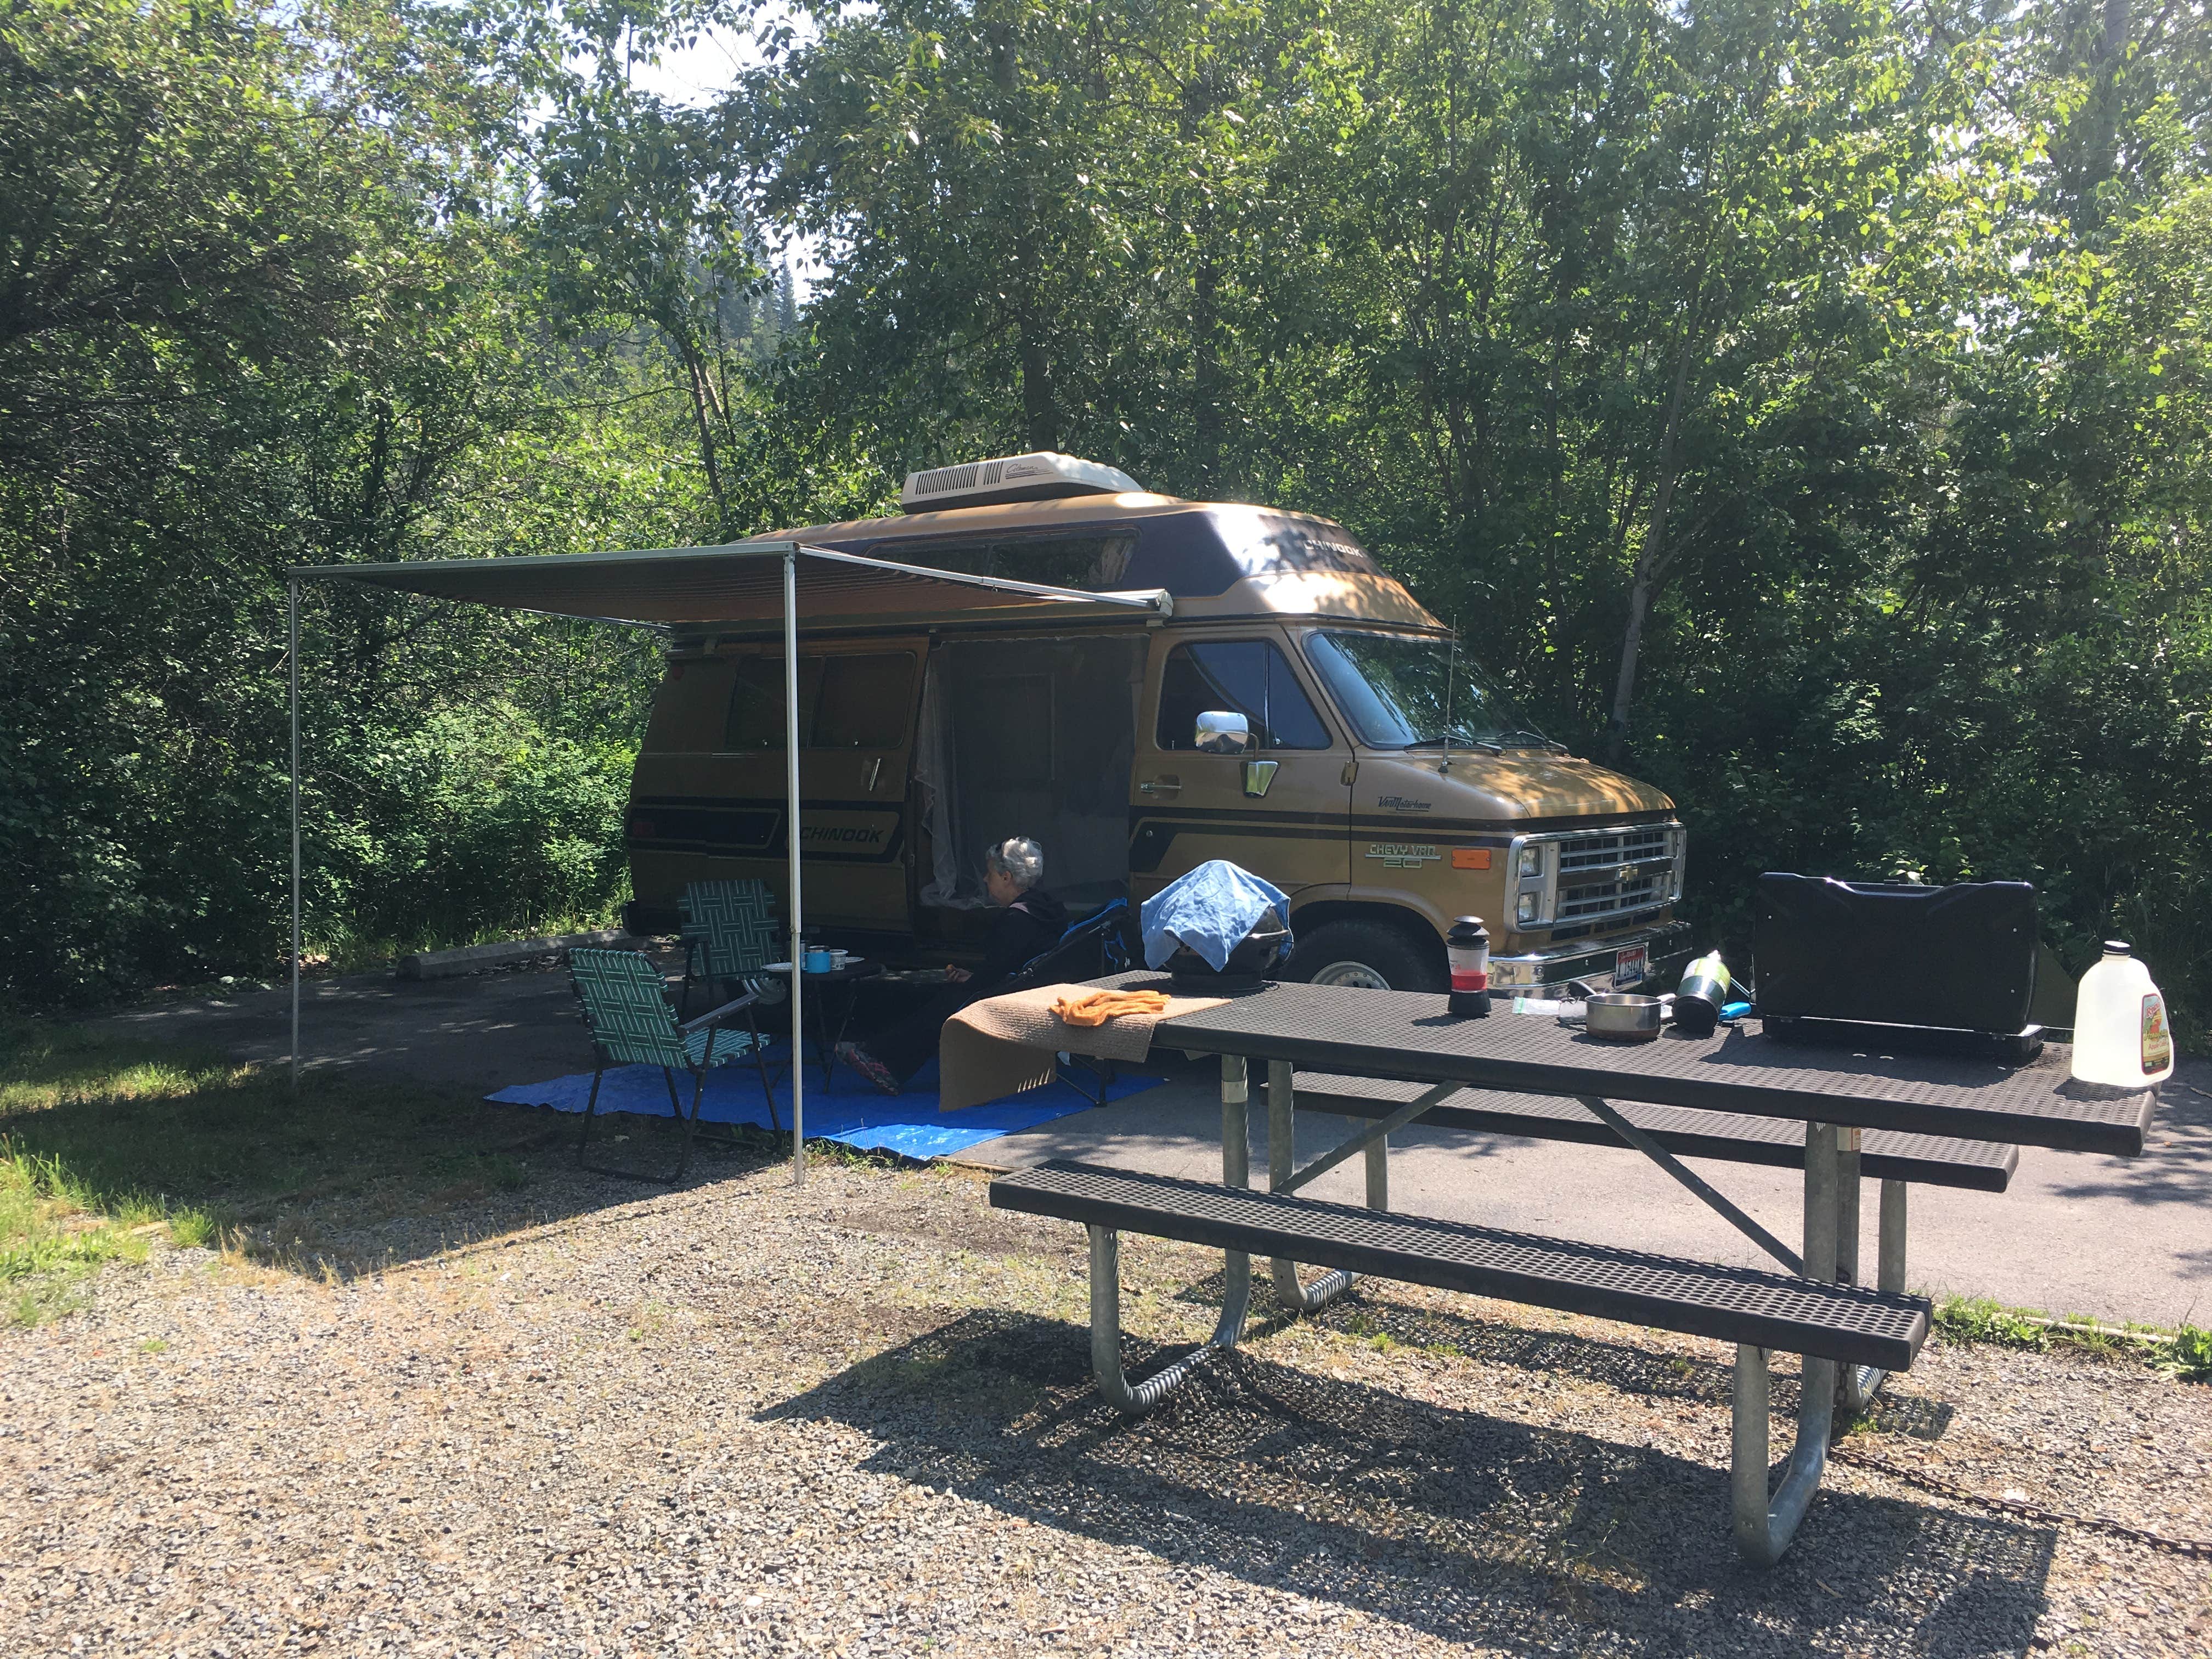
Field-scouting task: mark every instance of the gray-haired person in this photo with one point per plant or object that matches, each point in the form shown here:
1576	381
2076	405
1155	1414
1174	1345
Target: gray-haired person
1029	921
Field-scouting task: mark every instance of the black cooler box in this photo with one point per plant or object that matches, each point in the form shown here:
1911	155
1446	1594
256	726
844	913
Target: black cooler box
1949	970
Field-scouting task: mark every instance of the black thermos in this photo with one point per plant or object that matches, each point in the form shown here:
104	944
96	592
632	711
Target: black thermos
1705	989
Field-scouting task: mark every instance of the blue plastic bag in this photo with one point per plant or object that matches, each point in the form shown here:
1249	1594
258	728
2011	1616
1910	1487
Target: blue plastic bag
1211	910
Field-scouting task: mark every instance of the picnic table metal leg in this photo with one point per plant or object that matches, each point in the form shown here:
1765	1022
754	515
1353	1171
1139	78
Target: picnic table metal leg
1861	1382
1138	1398
1891	1270
1764	1522
1282	1134
1847	1204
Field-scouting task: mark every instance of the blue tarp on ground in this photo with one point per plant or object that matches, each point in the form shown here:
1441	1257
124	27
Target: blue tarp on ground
851	1111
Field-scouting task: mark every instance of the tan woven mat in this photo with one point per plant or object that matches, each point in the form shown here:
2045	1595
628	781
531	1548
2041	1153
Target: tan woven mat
1003	1045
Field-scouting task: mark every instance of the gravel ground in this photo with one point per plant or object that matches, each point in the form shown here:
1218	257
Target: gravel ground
856	1419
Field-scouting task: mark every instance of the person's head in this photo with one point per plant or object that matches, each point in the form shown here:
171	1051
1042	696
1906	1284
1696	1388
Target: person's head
1012	868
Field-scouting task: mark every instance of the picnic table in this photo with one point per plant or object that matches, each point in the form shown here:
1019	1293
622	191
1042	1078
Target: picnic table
1817	1308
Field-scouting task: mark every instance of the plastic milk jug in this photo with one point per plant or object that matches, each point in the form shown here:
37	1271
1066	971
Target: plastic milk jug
2120	1032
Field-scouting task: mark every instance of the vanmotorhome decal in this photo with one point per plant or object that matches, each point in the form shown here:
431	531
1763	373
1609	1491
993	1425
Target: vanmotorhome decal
1400	803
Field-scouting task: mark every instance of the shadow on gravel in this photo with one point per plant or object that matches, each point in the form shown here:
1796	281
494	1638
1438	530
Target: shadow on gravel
1619	1366
1471	1527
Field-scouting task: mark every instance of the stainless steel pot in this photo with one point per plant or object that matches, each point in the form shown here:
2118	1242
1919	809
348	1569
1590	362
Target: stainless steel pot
1624	1018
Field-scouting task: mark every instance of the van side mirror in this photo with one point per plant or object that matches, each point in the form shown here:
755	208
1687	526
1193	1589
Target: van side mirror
1223	732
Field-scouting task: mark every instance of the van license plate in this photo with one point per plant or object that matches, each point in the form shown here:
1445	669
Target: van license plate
1630	967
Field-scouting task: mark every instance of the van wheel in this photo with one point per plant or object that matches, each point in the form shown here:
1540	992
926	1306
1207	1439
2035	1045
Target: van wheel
1372	956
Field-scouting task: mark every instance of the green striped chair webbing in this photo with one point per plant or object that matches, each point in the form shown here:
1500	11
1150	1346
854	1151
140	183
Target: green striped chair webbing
628	1013
732	924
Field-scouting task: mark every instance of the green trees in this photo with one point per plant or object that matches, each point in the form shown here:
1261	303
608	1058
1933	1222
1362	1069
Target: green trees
263	308
1795	399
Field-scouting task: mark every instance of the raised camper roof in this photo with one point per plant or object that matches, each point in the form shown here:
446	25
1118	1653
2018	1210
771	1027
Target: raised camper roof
1216	559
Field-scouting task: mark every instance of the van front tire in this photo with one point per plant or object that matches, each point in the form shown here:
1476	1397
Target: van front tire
1368	954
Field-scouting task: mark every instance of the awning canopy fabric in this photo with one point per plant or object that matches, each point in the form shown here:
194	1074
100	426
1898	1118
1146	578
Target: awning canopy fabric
738	584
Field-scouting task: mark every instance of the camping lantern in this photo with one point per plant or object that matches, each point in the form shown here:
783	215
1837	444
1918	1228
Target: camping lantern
1466	947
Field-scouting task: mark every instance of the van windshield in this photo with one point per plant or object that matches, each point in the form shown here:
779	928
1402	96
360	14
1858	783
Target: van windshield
1396	692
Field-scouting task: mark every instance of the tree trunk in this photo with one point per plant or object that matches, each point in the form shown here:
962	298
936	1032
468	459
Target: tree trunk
1040	412
702	412
2090	147
1654	558
1206	367
1631	642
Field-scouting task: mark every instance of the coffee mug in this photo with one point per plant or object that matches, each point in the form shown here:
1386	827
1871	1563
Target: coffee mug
817	962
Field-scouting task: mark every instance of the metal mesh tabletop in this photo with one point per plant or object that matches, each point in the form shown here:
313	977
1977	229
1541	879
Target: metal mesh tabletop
1410	1036
1734	1304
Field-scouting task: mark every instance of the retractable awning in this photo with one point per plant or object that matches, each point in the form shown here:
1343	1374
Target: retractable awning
737	584
759	583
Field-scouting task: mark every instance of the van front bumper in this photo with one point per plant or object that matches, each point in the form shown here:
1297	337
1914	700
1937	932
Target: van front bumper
1667	949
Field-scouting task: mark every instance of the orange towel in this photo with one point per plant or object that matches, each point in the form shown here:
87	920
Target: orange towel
1100	1006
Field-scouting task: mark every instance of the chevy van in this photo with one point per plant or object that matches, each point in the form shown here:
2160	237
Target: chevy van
1287	705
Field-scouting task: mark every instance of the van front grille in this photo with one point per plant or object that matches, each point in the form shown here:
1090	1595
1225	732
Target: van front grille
1607	899
1608	849
1614	873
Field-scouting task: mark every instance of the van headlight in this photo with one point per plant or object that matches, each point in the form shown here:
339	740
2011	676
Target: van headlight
1524	908
1532	862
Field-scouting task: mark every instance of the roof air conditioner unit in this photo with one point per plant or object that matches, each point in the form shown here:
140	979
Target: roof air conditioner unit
1036	477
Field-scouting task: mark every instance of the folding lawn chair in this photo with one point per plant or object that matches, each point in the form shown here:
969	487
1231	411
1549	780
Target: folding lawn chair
731	932
626	1008
1096	946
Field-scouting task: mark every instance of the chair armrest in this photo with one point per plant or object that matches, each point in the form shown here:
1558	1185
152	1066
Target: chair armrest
716	1015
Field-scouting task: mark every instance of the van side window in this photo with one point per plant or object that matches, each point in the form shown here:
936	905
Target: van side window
756	718
861	702
1098	562
865	703
1250	677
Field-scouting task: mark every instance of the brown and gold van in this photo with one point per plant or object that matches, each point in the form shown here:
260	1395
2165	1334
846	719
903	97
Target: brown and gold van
1285	705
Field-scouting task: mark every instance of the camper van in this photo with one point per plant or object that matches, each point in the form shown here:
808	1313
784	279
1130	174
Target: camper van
1277	701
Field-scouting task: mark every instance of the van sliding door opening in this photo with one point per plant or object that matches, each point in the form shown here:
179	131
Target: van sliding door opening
1028	737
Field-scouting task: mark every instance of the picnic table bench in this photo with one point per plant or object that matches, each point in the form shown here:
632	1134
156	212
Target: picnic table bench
1721	1094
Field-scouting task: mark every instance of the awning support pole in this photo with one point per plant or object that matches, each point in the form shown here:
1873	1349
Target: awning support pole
293	628
791	839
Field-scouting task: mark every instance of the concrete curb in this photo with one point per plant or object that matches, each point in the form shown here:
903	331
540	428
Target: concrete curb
446	965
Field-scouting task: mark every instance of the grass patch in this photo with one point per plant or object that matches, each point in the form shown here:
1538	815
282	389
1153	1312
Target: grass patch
1982	1318
48	1244
107	1146
2186	1353
2189	1356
